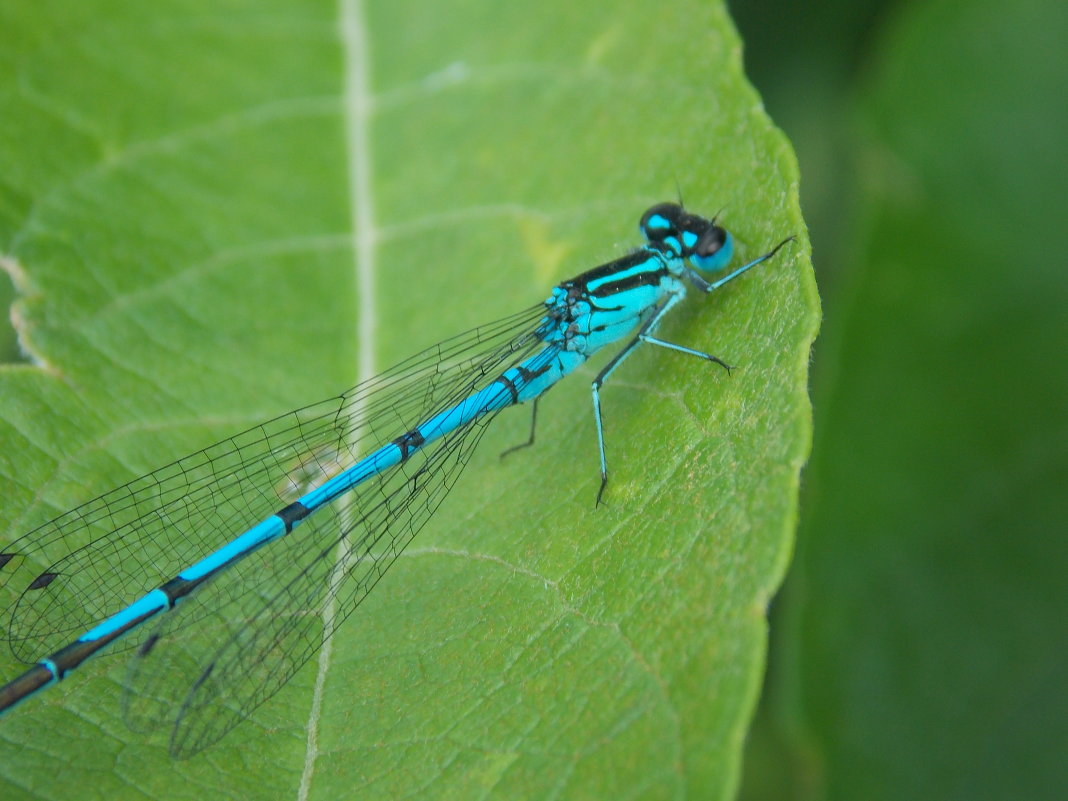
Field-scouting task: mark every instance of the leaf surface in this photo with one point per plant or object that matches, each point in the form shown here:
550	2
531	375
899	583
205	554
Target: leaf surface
211	218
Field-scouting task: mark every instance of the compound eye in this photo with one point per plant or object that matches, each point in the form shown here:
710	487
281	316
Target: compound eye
711	242
661	221
713	249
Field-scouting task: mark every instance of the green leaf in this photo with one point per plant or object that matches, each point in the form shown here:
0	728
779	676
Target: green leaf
212	218
924	656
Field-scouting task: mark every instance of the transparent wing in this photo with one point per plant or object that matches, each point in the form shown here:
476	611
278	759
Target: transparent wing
252	636
92	561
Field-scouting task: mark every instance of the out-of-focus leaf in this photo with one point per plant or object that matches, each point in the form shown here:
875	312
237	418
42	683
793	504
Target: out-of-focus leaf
923	655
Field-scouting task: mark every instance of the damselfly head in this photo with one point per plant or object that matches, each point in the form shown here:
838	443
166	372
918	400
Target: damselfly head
708	246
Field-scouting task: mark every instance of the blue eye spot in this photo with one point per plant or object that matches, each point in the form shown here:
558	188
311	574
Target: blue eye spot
655	227
660	221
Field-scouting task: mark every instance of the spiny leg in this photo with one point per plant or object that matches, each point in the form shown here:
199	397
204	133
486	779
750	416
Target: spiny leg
710	286
689	351
644	335
533	423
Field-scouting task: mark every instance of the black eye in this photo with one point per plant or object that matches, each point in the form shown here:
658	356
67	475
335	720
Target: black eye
711	242
661	221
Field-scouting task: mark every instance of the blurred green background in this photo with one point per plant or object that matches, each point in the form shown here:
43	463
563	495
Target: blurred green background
919	649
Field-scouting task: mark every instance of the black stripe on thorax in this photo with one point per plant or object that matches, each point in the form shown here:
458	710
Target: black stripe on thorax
644	278
606	270
650	276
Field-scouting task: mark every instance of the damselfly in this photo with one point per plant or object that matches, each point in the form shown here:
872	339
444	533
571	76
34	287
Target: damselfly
247	555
